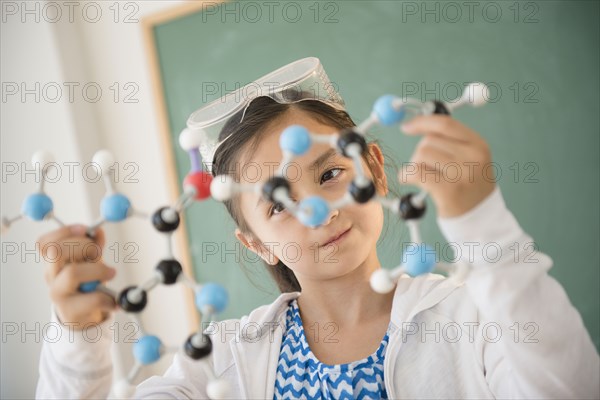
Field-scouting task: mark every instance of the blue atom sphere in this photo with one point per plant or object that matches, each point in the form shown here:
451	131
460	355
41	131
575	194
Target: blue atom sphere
313	211
147	349
295	139
115	207
213	295
385	111
420	261
36	206
87	287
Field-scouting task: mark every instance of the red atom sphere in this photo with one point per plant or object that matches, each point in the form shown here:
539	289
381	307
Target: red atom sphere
201	181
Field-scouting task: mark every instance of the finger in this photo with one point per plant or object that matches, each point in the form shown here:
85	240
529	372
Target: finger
98	237
430	141
432	153
59	234
443	125
67	281
72	249
66	232
455	150
425	166
81	304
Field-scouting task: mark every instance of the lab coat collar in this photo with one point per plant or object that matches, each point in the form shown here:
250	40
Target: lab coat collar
256	350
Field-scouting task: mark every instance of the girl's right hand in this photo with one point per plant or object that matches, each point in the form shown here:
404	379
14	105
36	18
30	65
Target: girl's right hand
73	258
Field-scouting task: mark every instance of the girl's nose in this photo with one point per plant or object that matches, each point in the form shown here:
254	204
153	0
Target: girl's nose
332	215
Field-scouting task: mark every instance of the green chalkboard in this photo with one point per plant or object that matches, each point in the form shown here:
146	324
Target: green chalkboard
540	60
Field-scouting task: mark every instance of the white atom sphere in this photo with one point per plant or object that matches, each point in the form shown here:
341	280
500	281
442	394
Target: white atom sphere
381	281
221	187
41	158
104	159
478	93
123	389
190	139
218	389
169	215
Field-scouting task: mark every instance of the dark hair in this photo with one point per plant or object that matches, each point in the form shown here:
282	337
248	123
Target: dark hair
245	138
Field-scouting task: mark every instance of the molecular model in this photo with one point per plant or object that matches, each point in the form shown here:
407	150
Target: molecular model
210	298
313	211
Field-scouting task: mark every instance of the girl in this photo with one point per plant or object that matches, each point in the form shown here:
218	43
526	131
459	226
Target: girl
509	331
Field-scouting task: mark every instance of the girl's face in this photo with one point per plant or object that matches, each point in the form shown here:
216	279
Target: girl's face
280	236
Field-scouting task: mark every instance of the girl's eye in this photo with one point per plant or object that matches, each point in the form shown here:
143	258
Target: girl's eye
278	208
274	207
330	175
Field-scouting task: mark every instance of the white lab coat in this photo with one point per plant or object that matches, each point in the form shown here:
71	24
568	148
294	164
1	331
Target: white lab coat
508	332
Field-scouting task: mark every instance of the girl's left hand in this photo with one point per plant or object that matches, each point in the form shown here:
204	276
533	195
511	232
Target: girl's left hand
451	162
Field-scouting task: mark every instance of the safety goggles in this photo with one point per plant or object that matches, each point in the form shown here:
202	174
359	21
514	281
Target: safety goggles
304	79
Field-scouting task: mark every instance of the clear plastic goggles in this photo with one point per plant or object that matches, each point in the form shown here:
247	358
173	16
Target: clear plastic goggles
304	79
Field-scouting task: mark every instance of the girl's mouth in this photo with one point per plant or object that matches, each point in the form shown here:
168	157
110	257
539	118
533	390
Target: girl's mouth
338	238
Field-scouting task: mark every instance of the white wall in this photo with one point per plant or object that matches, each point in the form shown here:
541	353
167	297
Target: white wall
80	51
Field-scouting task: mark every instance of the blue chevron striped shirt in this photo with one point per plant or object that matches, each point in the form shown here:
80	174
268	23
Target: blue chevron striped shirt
300	375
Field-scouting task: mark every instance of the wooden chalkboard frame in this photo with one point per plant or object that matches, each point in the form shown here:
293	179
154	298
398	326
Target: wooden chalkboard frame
149	23
544	143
